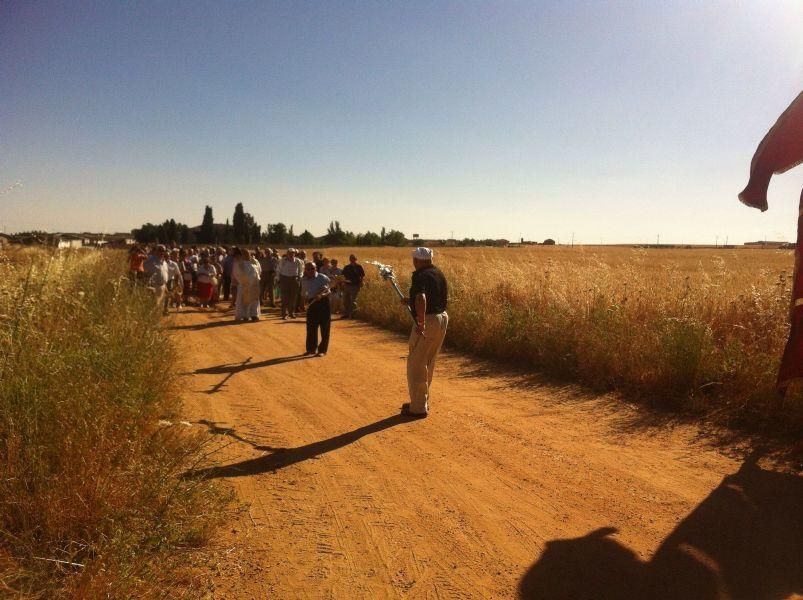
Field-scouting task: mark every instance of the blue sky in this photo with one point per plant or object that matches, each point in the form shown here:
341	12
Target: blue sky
616	121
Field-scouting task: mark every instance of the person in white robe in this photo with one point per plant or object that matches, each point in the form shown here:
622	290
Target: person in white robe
247	271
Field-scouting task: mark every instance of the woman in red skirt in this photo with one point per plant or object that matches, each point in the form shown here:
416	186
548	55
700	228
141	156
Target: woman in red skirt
206	275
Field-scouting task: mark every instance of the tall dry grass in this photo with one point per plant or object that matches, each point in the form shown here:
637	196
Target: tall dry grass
91	504
700	329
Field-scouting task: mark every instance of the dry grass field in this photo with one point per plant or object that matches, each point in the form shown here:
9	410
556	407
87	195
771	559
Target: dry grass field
90	502
691	329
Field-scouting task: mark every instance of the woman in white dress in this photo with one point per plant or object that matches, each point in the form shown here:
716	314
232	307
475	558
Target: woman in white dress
247	271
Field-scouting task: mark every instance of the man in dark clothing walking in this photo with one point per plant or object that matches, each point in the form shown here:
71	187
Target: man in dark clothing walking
315	297
353	273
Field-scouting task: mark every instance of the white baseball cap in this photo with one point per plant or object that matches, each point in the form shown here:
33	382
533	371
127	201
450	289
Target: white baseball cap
422	253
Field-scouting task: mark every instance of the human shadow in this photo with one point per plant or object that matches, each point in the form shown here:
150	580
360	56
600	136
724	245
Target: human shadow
216	429
744	541
210	325
232	368
219	385
284	457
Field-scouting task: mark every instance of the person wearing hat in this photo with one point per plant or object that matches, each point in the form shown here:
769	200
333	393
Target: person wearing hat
290	270
427	302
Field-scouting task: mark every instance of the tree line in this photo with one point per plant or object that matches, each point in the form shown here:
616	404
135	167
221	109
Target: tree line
242	229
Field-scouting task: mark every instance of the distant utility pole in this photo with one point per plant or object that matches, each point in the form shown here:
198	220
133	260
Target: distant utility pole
658	240
572	239
726	240
716	241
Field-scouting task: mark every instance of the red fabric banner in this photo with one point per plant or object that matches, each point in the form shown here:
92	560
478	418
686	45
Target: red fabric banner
792	362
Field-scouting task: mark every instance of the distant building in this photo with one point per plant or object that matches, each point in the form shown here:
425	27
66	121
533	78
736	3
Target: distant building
119	240
68	240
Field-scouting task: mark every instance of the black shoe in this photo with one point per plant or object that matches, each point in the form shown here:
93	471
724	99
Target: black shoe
405	412
320	354
308	353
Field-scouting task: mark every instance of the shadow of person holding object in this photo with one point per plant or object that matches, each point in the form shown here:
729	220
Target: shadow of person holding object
745	540
285	457
247	365
216	429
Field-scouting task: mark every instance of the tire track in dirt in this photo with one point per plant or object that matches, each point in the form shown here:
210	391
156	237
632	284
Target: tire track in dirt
348	500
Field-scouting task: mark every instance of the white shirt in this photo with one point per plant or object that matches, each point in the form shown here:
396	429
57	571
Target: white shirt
291	268
173	272
206	273
160	273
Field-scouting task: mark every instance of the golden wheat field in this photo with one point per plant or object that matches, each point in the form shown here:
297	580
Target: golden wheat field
89	484
700	329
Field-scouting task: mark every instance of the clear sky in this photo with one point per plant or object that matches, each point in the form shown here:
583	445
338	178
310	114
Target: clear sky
617	121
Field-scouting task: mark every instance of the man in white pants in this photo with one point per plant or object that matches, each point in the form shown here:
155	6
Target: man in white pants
157	274
428	297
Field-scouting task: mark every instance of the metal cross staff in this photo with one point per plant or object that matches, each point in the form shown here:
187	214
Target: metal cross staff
386	273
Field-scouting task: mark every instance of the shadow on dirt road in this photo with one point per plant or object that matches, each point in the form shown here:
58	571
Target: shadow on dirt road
745	540
284	457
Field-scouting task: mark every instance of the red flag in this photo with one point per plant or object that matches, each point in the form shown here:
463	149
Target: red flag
792	362
780	150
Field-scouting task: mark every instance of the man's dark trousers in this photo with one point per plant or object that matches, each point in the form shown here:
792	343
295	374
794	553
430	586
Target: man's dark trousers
226	287
319	314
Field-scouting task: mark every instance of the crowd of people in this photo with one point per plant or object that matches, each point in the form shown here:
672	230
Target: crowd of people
250	280
254	280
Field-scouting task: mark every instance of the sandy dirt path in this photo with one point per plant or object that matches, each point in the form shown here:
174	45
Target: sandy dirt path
510	488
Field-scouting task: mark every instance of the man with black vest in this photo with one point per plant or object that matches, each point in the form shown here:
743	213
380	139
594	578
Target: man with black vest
428	297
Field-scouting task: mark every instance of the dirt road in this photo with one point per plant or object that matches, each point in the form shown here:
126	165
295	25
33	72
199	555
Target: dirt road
510	488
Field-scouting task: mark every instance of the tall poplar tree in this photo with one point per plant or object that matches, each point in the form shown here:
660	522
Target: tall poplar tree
207	233
240	225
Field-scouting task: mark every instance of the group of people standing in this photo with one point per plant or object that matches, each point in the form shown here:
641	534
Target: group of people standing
251	280
180	277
